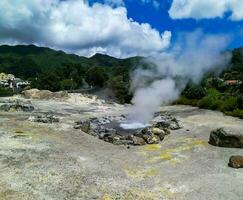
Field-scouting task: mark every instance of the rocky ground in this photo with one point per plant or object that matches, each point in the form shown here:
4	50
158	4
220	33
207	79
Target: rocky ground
54	161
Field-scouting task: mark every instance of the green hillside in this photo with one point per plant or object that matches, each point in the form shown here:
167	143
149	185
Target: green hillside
56	70
29	61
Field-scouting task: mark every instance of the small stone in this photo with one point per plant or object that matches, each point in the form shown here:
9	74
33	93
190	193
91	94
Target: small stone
138	140
236	162
77	127
159	132
84	126
152	139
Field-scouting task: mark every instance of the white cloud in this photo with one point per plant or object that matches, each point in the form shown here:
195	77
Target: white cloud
114	2
75	26
200	9
155	3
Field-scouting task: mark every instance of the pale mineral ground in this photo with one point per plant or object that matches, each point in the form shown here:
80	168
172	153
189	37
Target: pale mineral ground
57	162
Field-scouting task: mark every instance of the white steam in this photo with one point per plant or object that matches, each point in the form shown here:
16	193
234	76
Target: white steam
135	125
193	55
147	100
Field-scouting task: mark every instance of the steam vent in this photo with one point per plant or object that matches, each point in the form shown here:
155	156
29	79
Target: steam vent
109	129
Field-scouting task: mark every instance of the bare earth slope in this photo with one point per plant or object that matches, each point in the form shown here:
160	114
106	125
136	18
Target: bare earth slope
57	162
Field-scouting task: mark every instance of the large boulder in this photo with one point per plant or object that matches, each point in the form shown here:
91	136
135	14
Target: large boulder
44	94
226	138
236	162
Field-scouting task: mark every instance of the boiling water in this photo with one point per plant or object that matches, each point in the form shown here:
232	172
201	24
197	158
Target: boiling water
133	125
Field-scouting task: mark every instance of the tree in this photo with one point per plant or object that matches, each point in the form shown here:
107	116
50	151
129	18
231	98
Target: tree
68	84
48	81
96	76
120	88
195	92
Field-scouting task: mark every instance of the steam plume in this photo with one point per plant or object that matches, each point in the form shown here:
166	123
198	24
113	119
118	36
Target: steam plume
193	55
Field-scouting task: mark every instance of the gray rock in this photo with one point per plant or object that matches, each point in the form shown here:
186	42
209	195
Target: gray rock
83	125
159	132
236	162
138	140
16	105
47	118
166	121
106	133
151	135
153	139
225	138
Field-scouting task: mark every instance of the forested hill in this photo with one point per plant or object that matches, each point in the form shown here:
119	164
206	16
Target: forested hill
29	61
56	70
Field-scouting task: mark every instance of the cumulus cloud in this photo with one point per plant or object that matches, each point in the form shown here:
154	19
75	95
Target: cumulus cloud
200	9
78	27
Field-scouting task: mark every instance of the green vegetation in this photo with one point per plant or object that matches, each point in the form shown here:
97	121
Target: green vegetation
6	92
195	92
211	101
120	87
56	70
223	92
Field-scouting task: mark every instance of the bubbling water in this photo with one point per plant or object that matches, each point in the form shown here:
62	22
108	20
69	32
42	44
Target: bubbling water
133	125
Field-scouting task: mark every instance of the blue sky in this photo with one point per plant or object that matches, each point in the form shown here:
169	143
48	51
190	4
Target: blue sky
86	27
158	17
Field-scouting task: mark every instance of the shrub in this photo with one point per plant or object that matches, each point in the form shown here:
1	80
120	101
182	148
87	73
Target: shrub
240	101
236	113
185	101
195	92
211	101
229	104
5	92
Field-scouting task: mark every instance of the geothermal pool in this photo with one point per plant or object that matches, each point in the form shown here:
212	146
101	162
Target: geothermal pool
125	128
